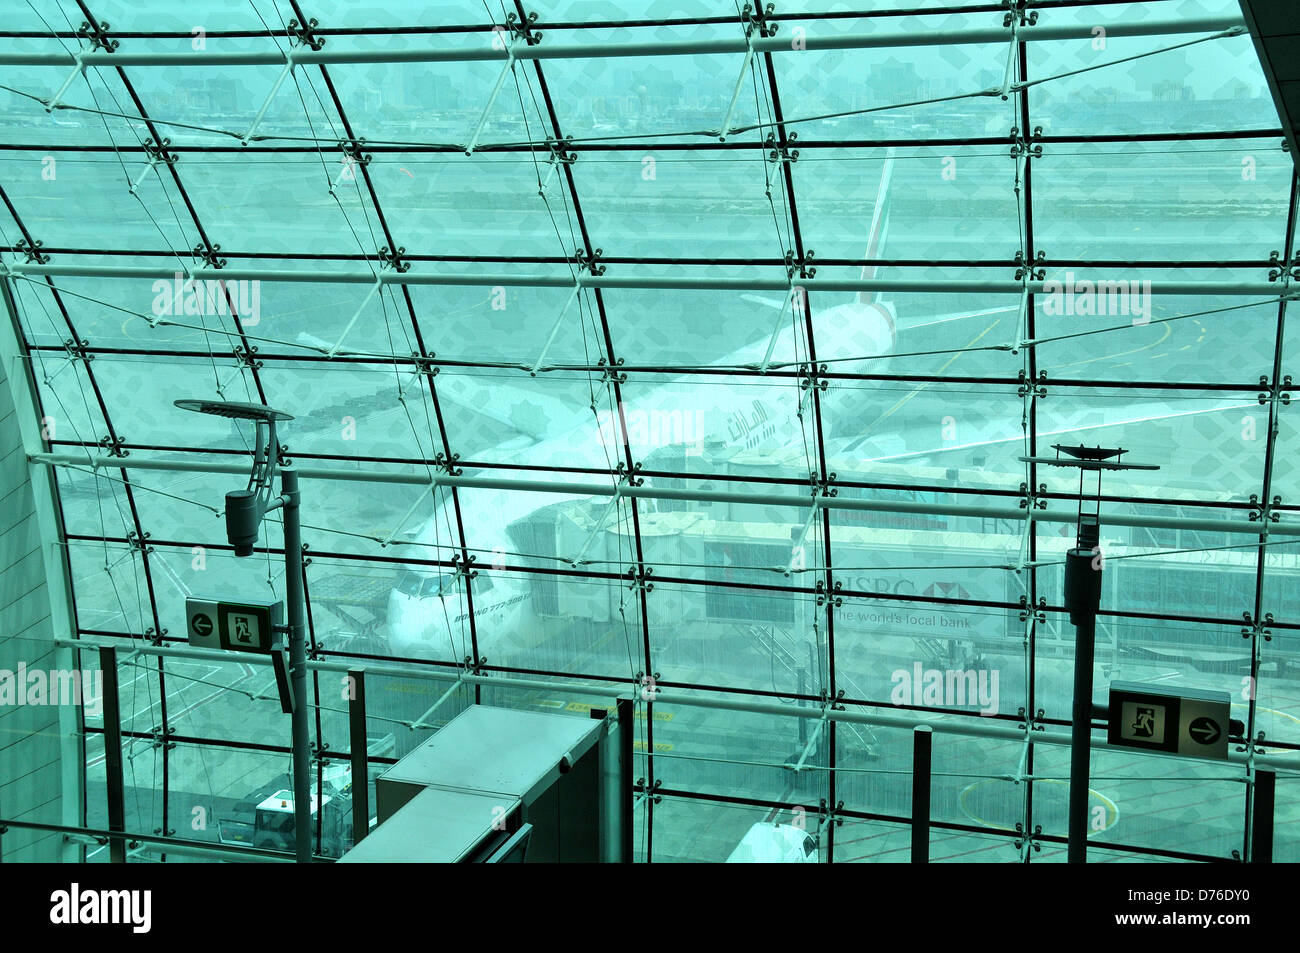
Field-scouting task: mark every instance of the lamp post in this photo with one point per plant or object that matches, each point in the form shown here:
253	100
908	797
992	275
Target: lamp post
244	512
1082	596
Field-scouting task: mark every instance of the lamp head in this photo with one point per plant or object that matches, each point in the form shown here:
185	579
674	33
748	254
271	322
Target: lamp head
245	508
235	409
243	521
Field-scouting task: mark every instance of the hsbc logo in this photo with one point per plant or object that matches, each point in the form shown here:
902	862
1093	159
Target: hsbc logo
883	584
897	587
946	590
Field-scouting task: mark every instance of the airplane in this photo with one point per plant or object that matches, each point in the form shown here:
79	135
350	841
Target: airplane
868	325
426	610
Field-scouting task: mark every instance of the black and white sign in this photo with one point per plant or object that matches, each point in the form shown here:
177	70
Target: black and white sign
245	626
1185	721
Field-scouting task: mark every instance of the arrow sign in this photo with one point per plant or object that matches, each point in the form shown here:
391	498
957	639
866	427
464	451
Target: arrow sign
244	626
1191	722
1205	730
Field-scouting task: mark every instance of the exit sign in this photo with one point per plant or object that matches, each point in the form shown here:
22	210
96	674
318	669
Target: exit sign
247	626
1187	721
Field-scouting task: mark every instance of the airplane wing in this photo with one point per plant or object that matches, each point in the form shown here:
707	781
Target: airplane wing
903	324
922	321
776	304
525	417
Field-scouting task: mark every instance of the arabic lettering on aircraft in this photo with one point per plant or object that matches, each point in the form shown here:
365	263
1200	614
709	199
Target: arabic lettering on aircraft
738	427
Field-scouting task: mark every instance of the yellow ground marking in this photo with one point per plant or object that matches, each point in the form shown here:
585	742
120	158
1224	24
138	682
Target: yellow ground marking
408	688
1112	811
946	365
640	713
1106	357
1272	711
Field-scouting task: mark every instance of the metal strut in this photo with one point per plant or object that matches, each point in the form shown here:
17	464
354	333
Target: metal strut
157	153
585	262
753	20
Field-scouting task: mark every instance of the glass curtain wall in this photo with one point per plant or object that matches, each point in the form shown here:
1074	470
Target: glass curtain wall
708	342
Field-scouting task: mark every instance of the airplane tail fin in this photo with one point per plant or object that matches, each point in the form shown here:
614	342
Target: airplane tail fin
879	227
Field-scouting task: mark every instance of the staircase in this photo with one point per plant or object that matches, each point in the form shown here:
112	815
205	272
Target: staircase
935	650
778	645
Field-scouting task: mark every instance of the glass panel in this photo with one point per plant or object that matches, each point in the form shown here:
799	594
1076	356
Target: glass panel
1203	442
227	701
915	92
1175	804
110	588
1217	200
719	752
869	842
1205	86
890	432
447	204
1130	334
117	219
88	102
1276	709
1286	845
646	95
1286	483
933	203
960	848
214	795
692	831
719	208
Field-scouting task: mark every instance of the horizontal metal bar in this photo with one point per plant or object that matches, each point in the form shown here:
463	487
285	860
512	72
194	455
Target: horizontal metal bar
747	478
982	728
700	583
1257	289
706	261
188	849
658	145
850	813
796	501
892	39
166	845
967	727
1251	388
366	29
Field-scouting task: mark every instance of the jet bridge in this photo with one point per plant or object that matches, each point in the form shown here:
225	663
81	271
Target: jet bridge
563	782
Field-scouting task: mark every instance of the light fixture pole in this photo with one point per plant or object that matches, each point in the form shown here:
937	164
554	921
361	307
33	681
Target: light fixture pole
296	613
1082	597
244	512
